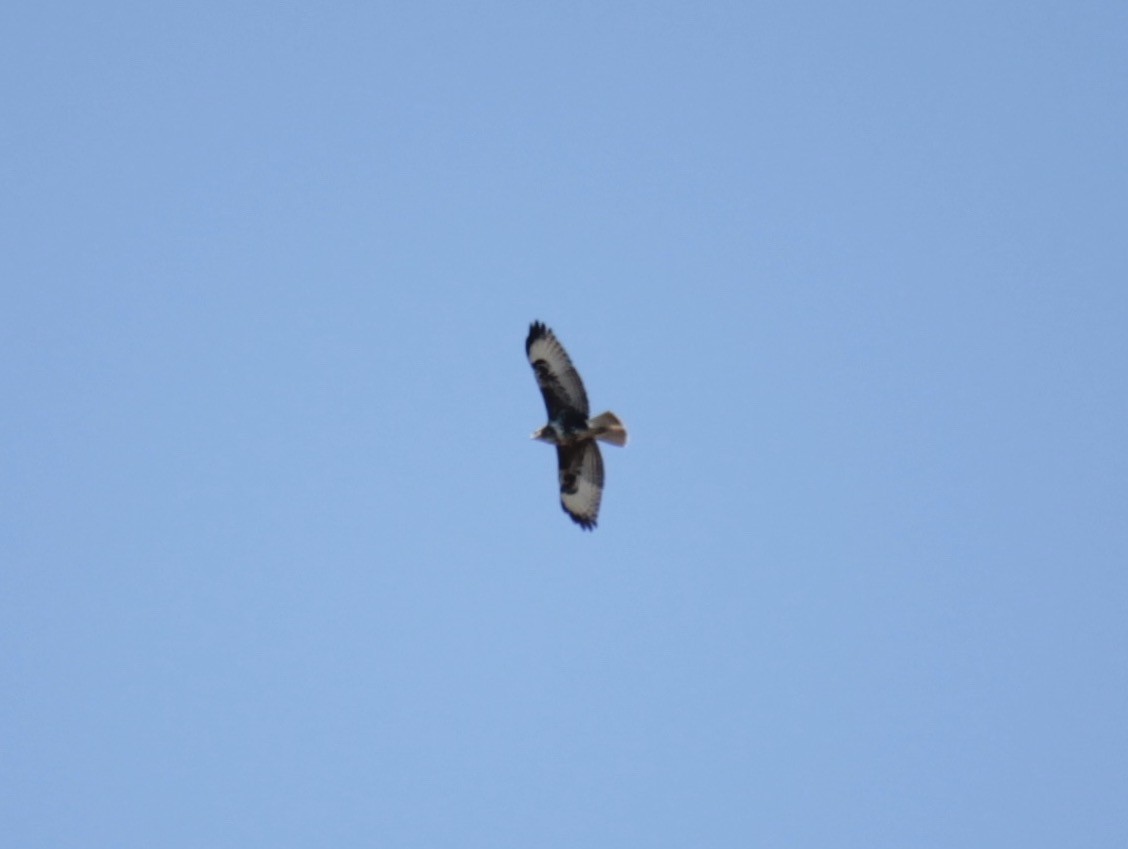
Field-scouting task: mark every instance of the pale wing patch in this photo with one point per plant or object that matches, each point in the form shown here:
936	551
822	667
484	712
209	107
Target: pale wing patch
581	482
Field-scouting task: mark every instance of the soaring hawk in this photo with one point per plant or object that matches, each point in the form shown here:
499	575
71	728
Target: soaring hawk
569	428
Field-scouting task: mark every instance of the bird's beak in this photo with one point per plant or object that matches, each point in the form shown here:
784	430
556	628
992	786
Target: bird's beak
537	434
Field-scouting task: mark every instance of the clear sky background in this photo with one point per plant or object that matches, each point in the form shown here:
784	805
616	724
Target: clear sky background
281	566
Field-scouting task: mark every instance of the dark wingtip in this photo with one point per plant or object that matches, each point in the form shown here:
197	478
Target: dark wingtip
586	524
537	330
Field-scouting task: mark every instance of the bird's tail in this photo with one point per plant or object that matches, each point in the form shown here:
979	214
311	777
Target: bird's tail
606	427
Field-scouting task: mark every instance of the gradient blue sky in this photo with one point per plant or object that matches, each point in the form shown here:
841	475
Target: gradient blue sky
281	566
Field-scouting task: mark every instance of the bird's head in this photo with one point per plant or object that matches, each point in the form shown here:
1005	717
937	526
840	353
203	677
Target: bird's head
544	434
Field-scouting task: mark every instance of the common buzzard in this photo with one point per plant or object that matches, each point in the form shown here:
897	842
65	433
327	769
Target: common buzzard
569	428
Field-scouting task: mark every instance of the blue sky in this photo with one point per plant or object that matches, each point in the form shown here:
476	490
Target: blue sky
281	566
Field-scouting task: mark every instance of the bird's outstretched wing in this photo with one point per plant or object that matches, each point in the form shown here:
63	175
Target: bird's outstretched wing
581	481
557	378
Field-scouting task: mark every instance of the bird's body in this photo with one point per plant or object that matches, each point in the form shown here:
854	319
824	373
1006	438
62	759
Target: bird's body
569	427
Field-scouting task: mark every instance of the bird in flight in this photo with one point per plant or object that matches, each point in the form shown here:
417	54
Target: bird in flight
569	428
